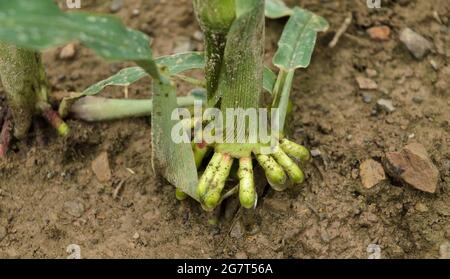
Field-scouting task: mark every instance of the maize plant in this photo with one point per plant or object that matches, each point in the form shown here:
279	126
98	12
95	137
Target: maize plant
199	166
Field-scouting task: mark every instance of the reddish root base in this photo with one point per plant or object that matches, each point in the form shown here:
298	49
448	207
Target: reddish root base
53	118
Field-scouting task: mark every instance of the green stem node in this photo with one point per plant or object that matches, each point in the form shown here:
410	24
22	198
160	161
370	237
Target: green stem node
23	78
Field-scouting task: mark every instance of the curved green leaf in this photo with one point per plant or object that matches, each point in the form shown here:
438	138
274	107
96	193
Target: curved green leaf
39	24
277	9
297	42
175	64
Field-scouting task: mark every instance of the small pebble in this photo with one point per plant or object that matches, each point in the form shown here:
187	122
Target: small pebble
116	6
385	105
237	231
367	97
371	173
421	207
379	33
50	175
135	12
434	64
417	99
198	35
366	83
416	43
68	52
100	167
74	208
316	153
371	73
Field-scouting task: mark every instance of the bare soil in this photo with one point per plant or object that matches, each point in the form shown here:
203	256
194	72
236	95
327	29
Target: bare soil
50	198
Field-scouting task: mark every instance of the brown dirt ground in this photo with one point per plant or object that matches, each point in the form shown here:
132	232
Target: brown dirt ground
331	215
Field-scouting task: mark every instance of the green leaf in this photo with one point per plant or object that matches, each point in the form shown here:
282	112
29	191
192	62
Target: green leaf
269	80
124	77
182	62
297	42
39	25
175	64
277	9
175	161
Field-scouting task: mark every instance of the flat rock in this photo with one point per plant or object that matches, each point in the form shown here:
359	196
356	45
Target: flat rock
101	169
371	173
413	167
366	83
385	105
416	43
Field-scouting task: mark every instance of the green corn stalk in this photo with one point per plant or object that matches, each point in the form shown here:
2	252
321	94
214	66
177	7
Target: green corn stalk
215	18
25	82
241	78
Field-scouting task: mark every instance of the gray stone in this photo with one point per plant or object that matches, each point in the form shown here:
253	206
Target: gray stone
116	6
416	43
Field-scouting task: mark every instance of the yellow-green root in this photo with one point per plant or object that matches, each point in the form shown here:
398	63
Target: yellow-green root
274	172
247	192
213	194
208	175
200	151
295	150
180	195
294	172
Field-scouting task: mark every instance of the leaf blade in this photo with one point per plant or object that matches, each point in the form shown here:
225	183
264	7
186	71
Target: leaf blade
277	9
40	25
297	42
175	64
175	161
